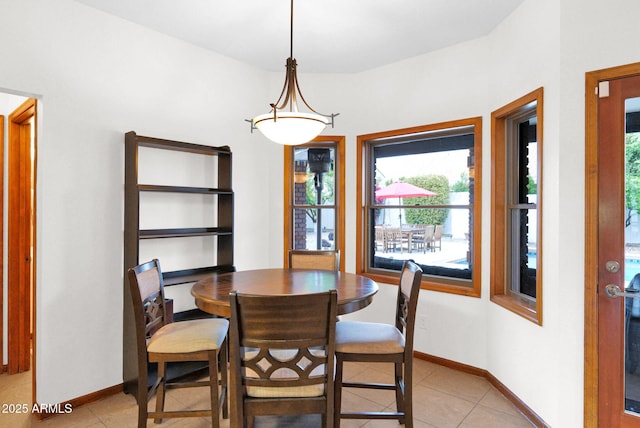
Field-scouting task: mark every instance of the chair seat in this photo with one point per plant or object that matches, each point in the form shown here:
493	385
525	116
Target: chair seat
189	336
287	391
356	337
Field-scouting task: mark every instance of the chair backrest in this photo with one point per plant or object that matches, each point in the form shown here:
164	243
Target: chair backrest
390	231
379	233
418	231
438	232
147	294
429	230
407	301
393	235
314	259
284	341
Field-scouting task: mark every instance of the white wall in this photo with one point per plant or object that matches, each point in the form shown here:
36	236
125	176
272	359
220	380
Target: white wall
98	77
521	354
548	44
446	85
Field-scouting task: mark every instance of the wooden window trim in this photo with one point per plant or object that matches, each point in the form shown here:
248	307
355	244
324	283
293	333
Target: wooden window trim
499	236
428	282
340	197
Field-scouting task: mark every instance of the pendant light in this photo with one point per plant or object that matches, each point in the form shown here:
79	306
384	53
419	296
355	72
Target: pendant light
285	123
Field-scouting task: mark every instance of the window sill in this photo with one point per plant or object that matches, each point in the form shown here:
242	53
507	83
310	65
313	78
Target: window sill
428	283
518	306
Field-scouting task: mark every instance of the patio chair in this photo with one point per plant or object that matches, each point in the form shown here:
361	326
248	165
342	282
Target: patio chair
380	238
395	238
436	242
423	238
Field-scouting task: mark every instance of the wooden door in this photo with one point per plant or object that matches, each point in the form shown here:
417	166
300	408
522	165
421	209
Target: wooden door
21	235
613	301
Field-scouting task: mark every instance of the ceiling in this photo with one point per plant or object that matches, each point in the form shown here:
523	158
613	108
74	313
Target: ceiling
330	36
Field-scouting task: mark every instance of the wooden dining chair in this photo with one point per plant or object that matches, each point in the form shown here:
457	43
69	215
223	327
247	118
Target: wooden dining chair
379	342
282	355
161	342
418	235
380	239
315	259
427	238
436	242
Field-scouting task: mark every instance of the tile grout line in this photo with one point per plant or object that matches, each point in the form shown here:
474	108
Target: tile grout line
473	408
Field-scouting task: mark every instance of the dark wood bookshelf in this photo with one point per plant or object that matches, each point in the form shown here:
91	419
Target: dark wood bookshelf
133	235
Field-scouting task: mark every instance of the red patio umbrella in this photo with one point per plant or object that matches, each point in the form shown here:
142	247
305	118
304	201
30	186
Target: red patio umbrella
400	189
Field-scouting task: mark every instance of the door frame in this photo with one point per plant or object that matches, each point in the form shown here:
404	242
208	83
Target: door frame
591	361
2	118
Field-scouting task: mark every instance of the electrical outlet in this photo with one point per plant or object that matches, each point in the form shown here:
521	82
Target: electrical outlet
422	323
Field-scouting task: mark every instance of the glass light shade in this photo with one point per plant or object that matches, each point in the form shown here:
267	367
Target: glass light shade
290	128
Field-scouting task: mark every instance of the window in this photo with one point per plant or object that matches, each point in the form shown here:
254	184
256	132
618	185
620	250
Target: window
420	200
516	229
314	196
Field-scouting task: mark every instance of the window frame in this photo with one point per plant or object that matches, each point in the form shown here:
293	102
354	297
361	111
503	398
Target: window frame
429	282
501	135
339	176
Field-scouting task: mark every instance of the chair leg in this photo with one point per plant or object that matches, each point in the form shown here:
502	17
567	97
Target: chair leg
337	394
408	394
162	377
142	400
224	380
213	386
400	392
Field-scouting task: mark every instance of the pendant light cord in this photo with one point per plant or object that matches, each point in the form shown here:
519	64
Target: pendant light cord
289	97
291	33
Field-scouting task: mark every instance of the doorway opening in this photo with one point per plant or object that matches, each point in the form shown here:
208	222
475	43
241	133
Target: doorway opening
17	229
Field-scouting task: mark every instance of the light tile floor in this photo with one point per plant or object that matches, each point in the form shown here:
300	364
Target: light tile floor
442	398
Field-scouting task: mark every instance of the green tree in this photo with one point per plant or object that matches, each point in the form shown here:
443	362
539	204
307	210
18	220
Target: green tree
462	185
326	196
532	186
436	183
632	175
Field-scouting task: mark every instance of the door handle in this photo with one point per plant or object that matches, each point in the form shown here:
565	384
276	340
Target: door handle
612	290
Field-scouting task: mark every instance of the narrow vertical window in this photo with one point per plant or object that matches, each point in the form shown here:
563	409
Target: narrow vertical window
516	215
522	157
314	195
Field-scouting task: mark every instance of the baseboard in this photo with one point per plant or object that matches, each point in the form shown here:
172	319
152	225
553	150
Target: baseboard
44	411
508	394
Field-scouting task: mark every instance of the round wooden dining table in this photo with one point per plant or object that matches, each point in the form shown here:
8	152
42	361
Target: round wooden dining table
212	293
